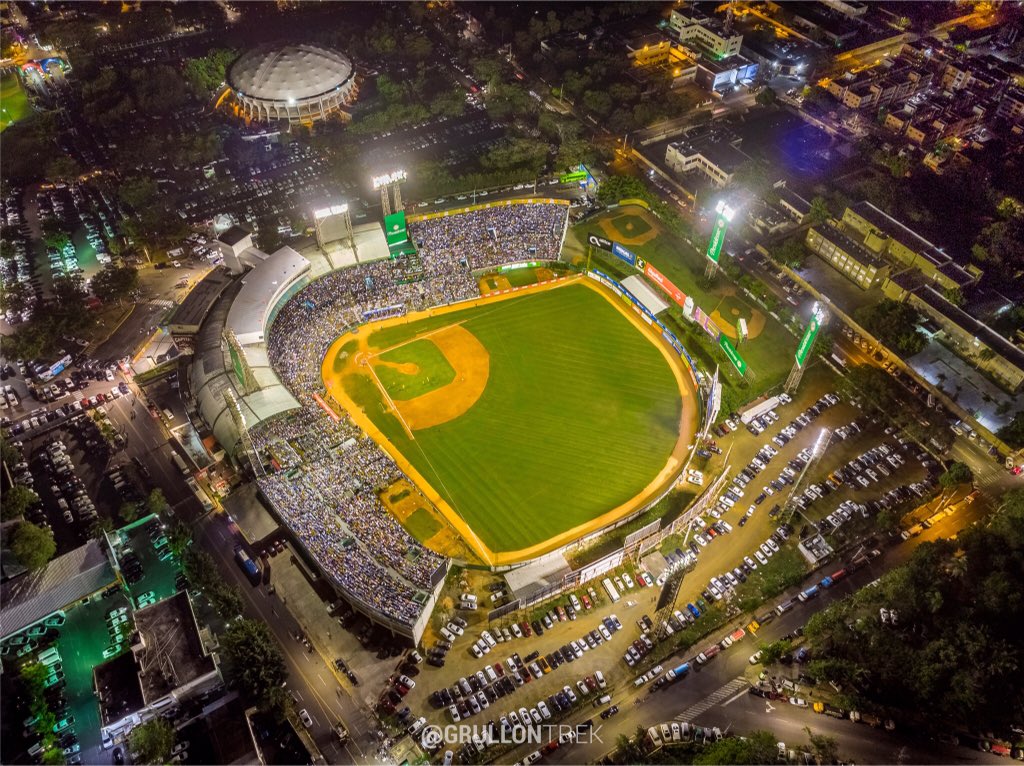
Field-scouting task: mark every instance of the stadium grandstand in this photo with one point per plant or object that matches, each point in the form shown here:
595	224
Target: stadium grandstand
255	376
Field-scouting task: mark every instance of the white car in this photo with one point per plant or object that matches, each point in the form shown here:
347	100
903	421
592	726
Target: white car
516	631
542	706
749	562
628	580
306	719
455	629
773	545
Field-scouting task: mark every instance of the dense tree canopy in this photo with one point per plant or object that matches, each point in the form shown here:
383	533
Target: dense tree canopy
895	324
954	656
33	546
255	665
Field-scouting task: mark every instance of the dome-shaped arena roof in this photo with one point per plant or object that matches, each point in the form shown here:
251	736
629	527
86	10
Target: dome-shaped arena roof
283	72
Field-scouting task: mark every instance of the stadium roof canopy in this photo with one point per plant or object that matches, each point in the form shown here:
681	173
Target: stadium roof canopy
262	287
296	72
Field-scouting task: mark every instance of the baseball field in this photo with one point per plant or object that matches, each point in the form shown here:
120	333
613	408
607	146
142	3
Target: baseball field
527	419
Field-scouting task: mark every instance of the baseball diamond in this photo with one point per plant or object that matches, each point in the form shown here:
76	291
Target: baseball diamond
528	419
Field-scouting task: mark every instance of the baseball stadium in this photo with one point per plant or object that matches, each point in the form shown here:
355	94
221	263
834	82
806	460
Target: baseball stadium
447	391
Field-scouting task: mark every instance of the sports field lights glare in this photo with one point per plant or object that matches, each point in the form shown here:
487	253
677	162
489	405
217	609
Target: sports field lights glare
819	445
390	178
324	212
724	210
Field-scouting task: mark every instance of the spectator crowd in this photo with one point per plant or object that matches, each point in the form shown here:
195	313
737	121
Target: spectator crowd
327	476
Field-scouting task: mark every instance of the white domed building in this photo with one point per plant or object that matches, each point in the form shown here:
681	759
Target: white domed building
298	83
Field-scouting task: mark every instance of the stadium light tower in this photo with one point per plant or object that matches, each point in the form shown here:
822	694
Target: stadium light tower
386	184
818	318
324	219
714	251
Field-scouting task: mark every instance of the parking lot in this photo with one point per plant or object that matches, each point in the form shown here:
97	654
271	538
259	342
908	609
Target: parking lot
751	534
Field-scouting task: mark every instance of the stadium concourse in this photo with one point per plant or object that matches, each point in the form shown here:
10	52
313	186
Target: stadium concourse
326	472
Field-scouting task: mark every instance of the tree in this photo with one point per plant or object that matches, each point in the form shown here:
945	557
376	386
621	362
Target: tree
152	741
115	283
207	72
766	97
772	652
128	512
958	473
825	749
33	546
790	252
17	500
1013	432
895	323
254	662
156	502
755	748
62	169
820	212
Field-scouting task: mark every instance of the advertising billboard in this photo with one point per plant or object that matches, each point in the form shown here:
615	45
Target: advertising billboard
622	253
741	326
665	284
571	178
730	351
807	342
395	230
602	243
705	322
717	239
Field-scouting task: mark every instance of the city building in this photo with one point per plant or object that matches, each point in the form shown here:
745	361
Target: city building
722	75
300	83
847	256
717	157
712	37
972	339
169	663
885	236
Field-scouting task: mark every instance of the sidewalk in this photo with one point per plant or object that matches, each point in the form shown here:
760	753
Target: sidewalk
332	641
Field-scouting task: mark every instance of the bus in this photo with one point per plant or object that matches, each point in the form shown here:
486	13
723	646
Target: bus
179	461
247	565
613	594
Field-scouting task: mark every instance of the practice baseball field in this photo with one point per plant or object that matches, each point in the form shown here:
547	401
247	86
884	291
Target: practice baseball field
527	419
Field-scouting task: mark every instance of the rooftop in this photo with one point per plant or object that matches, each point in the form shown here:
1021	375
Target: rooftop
234	235
260	287
850	245
65	580
197	303
717	149
979	330
171	654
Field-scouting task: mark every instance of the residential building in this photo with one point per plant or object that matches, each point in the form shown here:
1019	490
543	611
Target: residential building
847	256
1011	106
715	156
712	37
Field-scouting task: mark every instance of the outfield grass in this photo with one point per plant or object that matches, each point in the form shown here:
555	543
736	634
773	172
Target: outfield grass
769	356
13	100
434	370
580	413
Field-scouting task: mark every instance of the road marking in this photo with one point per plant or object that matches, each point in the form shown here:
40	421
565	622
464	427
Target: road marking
713	699
734	697
321	679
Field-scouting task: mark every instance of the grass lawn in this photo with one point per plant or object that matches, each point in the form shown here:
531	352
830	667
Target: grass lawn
434	370
580	412
769	355
422	525
13	101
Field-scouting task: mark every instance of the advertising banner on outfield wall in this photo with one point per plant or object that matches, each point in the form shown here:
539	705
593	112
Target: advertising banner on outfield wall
665	284
622	253
705	322
602	243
